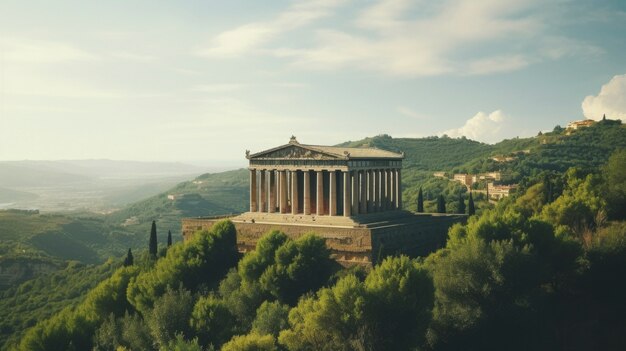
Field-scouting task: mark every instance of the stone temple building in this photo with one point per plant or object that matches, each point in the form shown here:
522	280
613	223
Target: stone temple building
350	196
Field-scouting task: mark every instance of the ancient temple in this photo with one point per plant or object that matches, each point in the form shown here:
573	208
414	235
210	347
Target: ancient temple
324	180
350	196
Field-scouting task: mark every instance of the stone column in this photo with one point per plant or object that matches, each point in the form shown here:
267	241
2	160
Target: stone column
380	192
319	196
283	191
376	196
363	188
272	180
332	197
294	192
392	175
387	189
398	189
307	193
347	201
355	192
370	191
263	195
253	191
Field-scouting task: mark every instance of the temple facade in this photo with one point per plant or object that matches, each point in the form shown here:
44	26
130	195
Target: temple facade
324	180
352	197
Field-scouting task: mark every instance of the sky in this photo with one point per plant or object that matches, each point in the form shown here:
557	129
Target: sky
203	81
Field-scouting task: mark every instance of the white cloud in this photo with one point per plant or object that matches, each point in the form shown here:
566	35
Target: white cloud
610	101
409	37
219	88
488	128
39	51
239	41
498	64
406	111
428	45
131	56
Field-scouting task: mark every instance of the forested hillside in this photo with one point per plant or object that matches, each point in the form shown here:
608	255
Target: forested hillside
542	270
43	243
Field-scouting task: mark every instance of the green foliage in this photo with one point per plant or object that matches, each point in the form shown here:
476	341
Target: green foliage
87	239
441	204
335	320
581	207
299	266
471	208
202	261
170	316
615	174
153	244
401	298
420	201
180	344
461	207
207	195
279	269
389	311
73	329
271	318
251	342
136	333
212	321
129	260
21	306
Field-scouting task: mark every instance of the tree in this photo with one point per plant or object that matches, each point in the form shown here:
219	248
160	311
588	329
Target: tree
271	318
441	204
461	208
471	209
251	342
420	201
615	178
390	310
212	321
169	238
128	261
202	262
152	247
171	315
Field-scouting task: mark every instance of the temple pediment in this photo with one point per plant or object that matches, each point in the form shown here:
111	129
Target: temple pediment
294	152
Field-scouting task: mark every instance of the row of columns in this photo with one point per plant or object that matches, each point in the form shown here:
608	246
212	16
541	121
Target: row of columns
363	191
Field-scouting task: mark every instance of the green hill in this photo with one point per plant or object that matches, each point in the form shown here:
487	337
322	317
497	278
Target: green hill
44	243
23	305
206	195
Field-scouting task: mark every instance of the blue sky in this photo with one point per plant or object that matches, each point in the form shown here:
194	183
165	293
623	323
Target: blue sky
205	80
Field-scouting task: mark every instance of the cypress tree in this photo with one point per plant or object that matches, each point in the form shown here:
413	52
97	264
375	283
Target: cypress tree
128	261
471	210
153	241
441	204
169	238
420	201
461	204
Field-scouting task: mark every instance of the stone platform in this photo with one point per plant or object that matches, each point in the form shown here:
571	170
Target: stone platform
358	240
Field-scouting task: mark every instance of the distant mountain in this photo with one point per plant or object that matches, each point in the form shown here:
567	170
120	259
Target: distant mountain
10	195
92	185
45	173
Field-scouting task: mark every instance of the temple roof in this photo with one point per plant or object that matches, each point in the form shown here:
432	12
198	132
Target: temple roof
317	151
